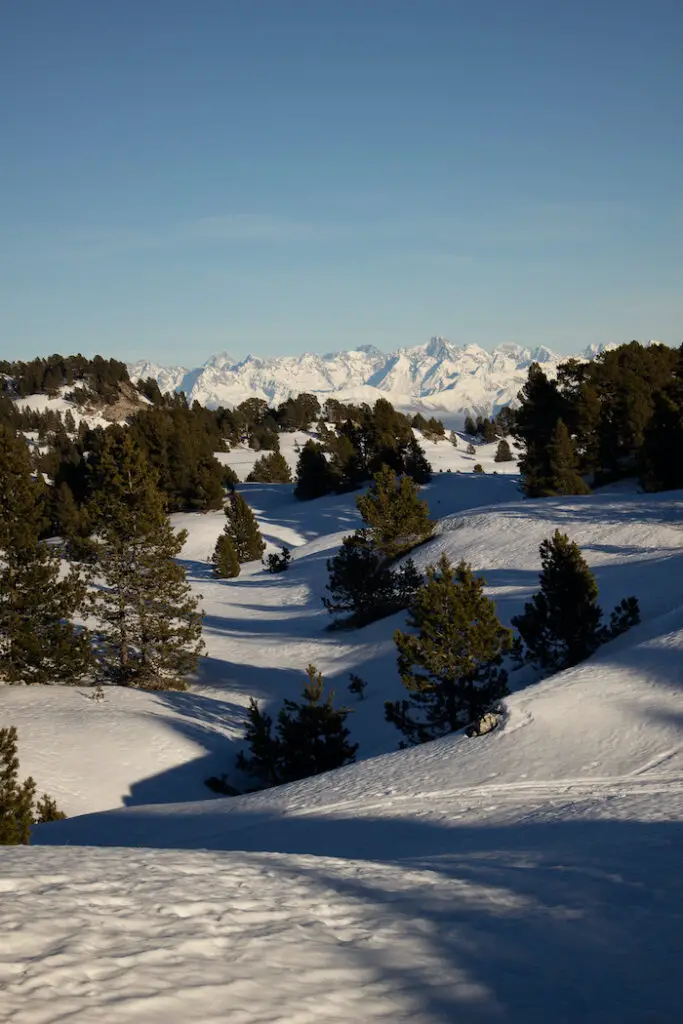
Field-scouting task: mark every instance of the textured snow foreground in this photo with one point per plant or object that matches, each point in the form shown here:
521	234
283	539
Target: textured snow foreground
529	875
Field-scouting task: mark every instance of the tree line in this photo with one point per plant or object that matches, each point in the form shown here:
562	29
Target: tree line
617	416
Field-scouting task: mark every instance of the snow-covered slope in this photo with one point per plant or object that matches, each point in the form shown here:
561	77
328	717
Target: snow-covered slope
438	377
530	875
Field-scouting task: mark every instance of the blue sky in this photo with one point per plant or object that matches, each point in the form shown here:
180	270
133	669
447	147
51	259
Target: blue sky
274	176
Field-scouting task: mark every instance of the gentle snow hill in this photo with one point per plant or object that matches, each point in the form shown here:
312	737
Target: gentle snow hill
451	381
531	875
261	631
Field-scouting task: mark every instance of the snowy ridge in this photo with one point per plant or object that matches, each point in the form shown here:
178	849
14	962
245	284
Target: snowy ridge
438	377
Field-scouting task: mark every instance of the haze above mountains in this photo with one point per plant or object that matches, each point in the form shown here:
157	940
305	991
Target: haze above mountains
440	377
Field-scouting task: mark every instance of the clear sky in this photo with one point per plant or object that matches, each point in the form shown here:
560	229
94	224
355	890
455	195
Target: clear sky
180	177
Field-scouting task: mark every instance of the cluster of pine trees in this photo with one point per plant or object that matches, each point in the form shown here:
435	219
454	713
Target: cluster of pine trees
148	626
364	583
47	376
617	416
453	661
357	448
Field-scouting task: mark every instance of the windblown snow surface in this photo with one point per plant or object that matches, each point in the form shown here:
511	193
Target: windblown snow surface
532	875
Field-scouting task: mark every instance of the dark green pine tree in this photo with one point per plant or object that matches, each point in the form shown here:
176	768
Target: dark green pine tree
563	474
264	749
311	737
16	799
17	812
396	517
451	666
661	462
225	561
72	523
541	407
38	640
270	469
150	623
363	586
313	734
313	476
561	625
242	529
503	452
416	463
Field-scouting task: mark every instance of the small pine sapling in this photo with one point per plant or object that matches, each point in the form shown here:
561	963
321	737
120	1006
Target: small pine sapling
278	562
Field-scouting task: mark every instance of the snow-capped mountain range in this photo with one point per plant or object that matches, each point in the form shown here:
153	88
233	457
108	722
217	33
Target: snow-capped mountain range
437	378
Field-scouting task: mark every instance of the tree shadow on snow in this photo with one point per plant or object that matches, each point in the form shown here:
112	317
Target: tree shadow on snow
561	921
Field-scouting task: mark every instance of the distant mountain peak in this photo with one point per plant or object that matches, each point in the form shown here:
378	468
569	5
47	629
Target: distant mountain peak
438	378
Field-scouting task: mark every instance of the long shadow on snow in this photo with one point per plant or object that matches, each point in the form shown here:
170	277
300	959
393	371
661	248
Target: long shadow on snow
565	921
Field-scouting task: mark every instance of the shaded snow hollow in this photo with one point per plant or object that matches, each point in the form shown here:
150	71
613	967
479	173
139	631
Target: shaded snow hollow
529	875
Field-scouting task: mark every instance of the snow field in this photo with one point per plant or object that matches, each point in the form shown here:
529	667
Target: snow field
529	875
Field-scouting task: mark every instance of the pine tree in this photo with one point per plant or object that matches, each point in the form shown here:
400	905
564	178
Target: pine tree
270	469
363	585
311	737
16	799
563	475
150	623
470	426
503	453
561	625
17	812
242	529
542	405
396	518
225	561
471	450
38	641
416	463
313	478
313	734
451	666
477	468
263	760
279	561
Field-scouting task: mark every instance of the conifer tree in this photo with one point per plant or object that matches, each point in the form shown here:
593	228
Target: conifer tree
471	450
313	477
242	529
311	737
503	453
16	799
279	561
225	561
271	469
394	514
563	474
263	760
451	666
363	585
313	734
38	641
416	463
561	625
150	622
17	812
